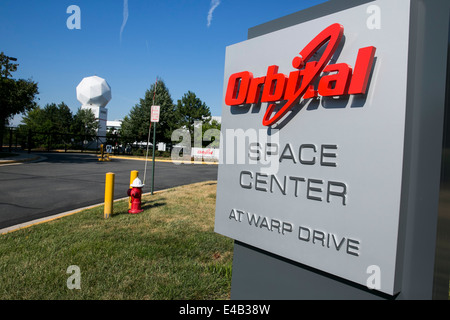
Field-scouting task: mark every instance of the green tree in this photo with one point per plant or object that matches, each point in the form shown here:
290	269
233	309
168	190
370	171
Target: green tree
135	126
32	123
84	126
84	123
51	119
191	109
64	118
209	135
50	125
34	120
6	66
16	96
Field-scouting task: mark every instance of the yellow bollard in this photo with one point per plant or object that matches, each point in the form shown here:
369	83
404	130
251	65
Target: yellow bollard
100	158
109	195
133	175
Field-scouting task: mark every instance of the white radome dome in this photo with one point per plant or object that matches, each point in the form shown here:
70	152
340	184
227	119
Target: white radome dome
94	91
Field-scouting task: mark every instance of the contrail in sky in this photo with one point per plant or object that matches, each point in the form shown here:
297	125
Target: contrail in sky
125	17
214	5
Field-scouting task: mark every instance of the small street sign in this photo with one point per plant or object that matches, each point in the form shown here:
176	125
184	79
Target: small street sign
155	114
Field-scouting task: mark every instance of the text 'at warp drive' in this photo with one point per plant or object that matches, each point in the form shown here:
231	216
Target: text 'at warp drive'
340	80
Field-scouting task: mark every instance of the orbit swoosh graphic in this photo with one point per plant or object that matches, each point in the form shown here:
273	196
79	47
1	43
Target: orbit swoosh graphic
333	35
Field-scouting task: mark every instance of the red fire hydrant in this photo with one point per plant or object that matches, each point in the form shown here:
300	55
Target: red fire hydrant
135	193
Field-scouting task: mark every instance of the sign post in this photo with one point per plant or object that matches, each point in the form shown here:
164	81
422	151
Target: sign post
332	151
154	119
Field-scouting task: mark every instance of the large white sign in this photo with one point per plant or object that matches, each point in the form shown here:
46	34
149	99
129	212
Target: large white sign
312	142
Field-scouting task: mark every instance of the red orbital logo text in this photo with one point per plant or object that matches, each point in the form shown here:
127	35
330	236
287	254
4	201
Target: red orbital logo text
243	88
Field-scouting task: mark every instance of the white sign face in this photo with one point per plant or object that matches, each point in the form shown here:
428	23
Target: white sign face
155	114
205	153
312	143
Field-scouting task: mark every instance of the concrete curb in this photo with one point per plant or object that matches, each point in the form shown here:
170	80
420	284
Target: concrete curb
19	159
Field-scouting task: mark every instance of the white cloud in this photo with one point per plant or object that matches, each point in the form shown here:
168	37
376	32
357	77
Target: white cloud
125	17
214	5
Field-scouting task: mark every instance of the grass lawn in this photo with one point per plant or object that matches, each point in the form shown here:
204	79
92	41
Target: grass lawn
169	251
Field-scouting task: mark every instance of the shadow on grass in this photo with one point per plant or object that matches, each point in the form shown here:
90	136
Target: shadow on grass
148	204
153	204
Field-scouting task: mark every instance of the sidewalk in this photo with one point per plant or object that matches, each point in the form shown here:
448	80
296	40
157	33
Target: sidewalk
19	158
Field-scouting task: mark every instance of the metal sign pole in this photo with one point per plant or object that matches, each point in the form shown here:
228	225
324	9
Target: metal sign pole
153	162
146	154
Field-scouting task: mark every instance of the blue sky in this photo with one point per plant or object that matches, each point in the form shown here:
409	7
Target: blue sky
180	41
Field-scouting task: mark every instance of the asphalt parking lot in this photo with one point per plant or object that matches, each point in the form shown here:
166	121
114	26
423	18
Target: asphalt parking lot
60	182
